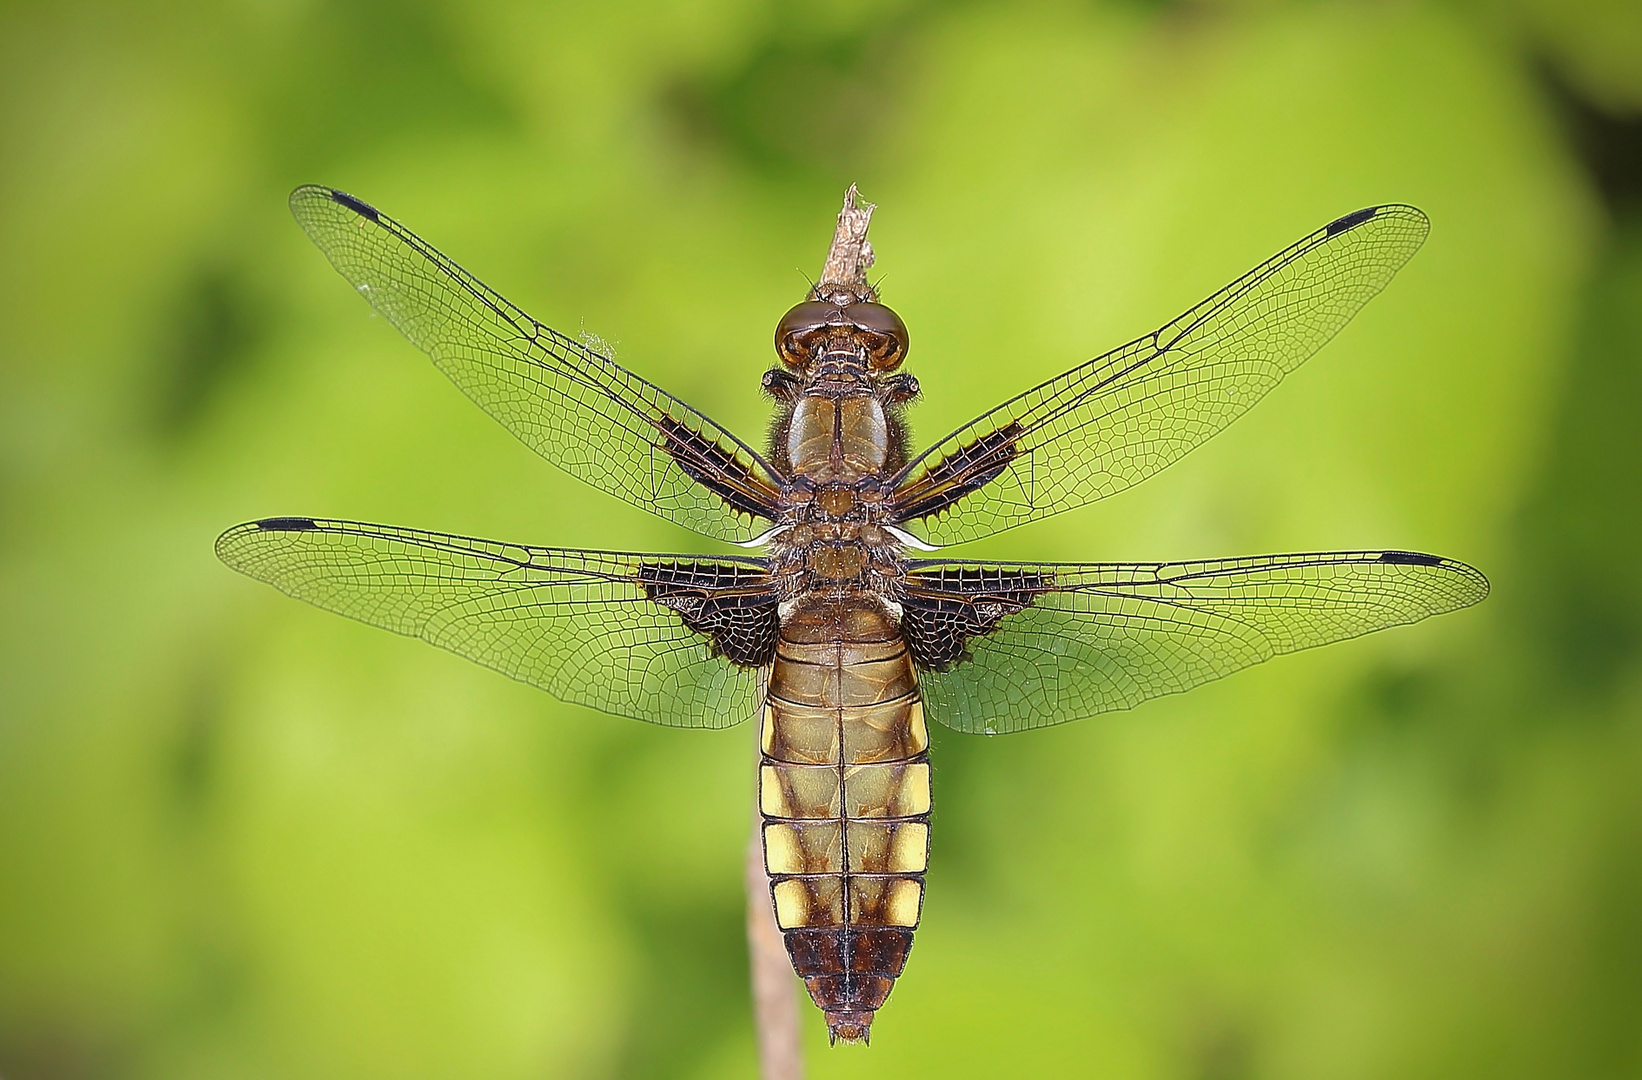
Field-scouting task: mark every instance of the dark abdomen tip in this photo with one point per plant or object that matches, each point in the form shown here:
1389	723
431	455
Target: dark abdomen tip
849	1027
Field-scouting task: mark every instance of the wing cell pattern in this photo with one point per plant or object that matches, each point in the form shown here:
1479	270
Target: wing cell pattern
581	625
582	411
1055	642
1112	422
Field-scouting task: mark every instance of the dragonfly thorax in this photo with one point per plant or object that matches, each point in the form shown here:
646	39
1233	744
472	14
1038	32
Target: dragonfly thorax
841	438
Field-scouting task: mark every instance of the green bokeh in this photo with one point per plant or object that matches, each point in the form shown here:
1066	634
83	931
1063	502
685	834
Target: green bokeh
240	837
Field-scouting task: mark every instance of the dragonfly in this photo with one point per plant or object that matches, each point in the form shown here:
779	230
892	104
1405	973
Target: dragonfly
847	627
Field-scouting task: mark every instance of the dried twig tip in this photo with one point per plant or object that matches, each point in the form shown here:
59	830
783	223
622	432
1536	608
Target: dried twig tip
850	254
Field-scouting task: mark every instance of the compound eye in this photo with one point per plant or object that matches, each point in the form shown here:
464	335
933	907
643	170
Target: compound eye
884	332
802	328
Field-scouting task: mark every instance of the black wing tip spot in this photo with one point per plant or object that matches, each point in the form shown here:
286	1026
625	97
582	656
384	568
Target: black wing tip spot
1350	221
358	206
1410	558
288	524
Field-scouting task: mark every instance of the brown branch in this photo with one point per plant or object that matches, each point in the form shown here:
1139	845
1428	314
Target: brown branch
775	997
850	255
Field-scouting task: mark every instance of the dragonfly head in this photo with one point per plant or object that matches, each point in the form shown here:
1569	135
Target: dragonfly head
842	321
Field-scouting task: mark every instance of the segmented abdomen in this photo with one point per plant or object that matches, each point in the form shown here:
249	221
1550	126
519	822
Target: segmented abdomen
844	792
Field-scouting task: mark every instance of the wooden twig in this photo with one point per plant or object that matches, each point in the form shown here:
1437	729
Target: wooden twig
775	996
850	255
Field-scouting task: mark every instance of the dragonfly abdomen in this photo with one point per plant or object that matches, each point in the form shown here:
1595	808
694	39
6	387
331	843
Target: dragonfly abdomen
844	792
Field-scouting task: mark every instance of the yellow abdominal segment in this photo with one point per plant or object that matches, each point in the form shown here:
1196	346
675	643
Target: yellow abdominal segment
844	788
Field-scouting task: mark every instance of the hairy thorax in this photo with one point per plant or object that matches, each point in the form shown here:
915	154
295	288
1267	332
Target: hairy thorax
838	439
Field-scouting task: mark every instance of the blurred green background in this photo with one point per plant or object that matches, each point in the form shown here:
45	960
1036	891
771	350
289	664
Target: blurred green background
241	837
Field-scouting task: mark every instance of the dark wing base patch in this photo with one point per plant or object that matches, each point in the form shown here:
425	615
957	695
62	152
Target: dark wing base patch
956	604
717	469
964	471
732	606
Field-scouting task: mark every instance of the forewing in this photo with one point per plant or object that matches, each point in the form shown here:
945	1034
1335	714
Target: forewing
1006	647
1119	418
672	639
582	411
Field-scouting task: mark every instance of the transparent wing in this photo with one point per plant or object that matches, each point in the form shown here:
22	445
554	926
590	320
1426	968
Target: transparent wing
1119	418
646	636
1007	647
582	411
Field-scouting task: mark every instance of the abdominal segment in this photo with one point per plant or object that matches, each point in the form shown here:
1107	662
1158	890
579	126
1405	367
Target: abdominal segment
844	792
